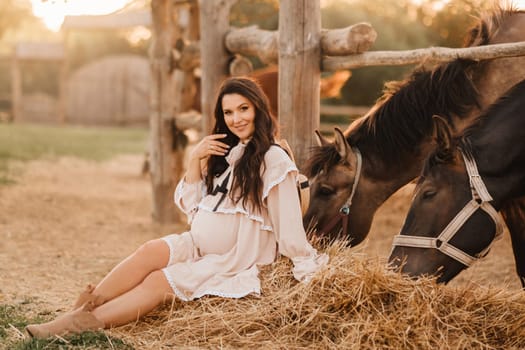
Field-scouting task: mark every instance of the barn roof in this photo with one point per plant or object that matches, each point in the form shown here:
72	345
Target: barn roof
39	51
111	21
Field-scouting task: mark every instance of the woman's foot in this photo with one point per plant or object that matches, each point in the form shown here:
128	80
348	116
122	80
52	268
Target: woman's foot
76	321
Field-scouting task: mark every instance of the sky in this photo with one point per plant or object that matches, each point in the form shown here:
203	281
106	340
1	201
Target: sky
52	12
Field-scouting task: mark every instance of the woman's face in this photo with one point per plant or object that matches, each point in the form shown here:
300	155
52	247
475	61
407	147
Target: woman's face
239	115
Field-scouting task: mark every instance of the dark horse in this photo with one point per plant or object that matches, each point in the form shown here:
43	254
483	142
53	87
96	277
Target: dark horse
453	216
394	137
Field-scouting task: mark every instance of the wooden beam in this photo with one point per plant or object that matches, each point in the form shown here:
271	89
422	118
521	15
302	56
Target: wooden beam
39	51
299	73
110	22
161	113
432	54
184	82
252	41
240	66
214	24
350	40
63	79
16	89
187	55
189	120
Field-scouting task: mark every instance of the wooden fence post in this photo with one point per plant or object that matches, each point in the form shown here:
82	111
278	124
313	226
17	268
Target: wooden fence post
16	89
64	75
185	28
299	73
214	24
161	113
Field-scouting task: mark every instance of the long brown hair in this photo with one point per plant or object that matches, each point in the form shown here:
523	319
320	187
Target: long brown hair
247	181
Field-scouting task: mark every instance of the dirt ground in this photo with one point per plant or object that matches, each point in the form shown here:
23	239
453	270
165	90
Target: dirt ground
65	223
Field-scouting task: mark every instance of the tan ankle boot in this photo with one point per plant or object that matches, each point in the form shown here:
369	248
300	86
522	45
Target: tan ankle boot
76	321
88	296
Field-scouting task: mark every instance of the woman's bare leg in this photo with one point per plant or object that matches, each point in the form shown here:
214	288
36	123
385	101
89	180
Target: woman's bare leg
140	300
151	256
153	291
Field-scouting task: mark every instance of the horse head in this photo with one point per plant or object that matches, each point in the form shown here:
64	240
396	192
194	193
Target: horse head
334	172
393	138
449	223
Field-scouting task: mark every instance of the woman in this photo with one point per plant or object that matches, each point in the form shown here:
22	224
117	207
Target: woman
241	200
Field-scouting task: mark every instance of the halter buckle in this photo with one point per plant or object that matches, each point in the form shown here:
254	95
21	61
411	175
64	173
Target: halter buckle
345	210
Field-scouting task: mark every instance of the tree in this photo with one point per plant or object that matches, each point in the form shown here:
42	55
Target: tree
263	13
401	25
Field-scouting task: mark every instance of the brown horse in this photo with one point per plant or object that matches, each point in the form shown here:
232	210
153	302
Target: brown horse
453	216
395	137
268	78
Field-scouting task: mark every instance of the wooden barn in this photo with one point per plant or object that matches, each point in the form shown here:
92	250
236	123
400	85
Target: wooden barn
112	90
119	85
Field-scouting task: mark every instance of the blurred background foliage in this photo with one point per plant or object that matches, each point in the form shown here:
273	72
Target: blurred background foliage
400	24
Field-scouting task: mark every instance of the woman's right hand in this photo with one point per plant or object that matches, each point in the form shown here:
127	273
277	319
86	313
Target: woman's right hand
208	146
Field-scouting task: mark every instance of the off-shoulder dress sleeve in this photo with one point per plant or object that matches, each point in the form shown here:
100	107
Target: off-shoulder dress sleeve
187	197
285	214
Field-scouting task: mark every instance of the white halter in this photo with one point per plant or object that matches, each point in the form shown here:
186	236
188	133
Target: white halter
480	200
344	211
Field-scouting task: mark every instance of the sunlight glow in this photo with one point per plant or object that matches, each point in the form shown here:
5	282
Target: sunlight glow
52	12
520	4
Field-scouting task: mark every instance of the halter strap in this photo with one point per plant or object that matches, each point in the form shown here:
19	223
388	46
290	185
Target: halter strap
359	163
344	211
480	200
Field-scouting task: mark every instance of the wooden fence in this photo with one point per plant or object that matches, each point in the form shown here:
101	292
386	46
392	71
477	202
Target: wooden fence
302	50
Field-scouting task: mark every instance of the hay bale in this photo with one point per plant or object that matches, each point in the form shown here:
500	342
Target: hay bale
355	303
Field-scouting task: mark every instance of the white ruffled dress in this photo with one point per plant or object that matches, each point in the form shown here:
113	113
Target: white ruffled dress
221	252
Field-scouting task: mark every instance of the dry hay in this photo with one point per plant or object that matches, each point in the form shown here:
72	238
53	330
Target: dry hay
66	223
354	304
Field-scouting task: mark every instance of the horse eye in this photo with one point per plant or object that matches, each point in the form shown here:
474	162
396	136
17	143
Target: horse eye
429	194
326	191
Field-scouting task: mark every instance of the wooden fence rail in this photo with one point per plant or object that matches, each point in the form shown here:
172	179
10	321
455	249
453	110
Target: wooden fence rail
432	54
302	49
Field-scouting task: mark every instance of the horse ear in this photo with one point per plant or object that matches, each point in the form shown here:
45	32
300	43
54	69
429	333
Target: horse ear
341	145
442	135
320	139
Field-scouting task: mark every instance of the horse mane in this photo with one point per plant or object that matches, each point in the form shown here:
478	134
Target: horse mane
402	117
395	126
503	102
439	156
321	159
489	23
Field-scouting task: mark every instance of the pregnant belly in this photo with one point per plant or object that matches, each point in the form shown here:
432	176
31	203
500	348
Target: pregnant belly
214	233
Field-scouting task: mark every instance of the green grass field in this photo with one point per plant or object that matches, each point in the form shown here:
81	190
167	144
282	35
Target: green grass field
24	142
12	317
